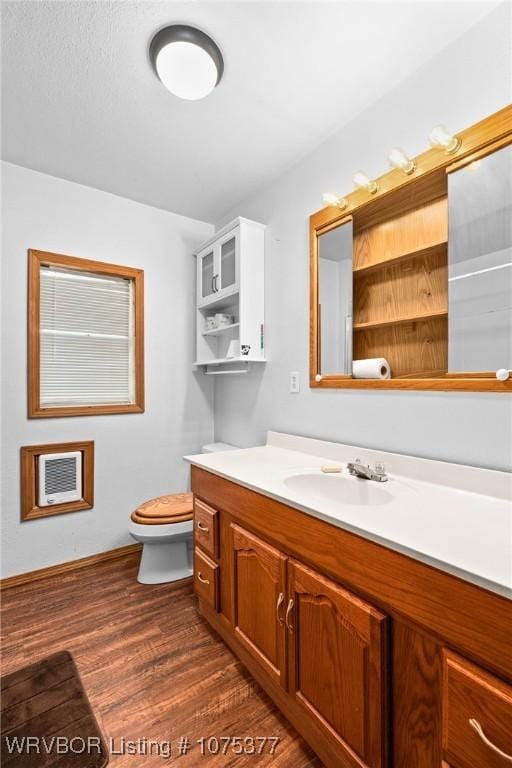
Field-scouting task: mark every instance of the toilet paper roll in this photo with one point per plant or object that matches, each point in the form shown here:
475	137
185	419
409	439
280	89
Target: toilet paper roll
373	368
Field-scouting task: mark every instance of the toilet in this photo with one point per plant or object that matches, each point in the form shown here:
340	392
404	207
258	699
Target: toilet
164	527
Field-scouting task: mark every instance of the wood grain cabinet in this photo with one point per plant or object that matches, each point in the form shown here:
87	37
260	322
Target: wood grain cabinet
258	594
205	527
206	578
477	716
320	642
365	650
337	671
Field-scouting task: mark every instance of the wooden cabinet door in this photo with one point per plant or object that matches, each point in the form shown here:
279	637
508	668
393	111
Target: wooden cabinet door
258	601
336	653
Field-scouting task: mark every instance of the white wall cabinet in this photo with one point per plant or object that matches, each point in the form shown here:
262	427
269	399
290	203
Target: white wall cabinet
218	269
230	281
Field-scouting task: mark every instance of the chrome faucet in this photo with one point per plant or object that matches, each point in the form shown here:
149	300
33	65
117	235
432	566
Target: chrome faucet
358	469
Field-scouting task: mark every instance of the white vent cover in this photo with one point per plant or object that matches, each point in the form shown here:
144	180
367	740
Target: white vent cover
60	478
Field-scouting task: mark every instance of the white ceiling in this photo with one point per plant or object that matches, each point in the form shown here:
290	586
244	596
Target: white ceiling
81	102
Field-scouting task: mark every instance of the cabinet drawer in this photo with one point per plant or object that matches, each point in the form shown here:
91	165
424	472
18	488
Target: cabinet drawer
206	577
477	716
205	527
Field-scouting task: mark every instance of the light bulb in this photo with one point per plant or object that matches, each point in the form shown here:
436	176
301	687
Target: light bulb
362	181
330	198
440	137
398	159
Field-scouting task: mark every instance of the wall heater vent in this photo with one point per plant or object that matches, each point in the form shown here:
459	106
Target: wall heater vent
60	478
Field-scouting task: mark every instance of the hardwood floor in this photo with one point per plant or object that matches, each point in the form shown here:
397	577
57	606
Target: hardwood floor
151	666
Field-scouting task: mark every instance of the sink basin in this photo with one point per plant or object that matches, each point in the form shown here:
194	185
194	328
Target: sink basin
340	489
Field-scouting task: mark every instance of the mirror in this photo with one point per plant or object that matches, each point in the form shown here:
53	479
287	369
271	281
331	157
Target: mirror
480	264
413	280
335	300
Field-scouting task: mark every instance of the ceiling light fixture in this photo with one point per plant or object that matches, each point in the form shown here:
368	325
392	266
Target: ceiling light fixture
441	138
399	159
186	61
362	181
336	201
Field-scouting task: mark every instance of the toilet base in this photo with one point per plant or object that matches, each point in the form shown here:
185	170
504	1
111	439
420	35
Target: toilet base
164	563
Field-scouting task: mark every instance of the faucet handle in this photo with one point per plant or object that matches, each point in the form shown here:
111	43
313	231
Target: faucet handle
380	468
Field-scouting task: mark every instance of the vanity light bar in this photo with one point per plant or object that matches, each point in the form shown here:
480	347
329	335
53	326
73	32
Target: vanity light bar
439	137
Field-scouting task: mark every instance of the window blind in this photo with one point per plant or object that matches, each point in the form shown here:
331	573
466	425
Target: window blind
87	339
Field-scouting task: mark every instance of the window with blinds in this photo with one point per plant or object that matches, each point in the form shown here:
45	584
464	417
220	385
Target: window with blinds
86	338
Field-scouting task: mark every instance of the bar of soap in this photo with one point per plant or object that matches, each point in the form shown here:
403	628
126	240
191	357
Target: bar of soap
331	470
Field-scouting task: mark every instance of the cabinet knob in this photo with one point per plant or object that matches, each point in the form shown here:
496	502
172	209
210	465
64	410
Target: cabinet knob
201	578
202	527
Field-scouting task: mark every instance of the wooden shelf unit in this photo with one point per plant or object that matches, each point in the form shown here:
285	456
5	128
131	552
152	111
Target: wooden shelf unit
400	270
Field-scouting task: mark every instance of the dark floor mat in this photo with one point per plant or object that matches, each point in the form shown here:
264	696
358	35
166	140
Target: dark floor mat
46	718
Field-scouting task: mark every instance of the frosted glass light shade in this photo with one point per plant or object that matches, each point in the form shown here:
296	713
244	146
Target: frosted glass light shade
330	198
440	137
186	70
186	61
399	159
362	181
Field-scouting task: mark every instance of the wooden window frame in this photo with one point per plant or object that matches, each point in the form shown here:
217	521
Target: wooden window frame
37	259
29	479
431	172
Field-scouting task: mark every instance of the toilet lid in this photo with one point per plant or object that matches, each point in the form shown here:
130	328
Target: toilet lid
172	508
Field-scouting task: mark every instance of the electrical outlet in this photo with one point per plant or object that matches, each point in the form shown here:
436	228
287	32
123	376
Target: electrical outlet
294	382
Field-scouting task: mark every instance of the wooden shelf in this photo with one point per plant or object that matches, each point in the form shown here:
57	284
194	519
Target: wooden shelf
425	252
400	320
222	329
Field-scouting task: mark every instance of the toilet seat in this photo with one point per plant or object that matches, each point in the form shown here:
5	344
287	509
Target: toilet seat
165	510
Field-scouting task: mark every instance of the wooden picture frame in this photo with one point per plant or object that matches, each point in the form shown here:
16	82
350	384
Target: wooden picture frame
29	455
395	191
36	259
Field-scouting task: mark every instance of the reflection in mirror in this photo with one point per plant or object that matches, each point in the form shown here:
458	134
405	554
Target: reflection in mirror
335	300
480	264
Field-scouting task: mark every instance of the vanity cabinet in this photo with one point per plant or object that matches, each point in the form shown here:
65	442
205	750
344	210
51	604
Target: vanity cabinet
377	659
258	584
477	716
336	645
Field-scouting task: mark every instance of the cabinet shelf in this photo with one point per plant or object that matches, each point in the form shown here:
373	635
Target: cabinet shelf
400	320
226	360
425	252
222	329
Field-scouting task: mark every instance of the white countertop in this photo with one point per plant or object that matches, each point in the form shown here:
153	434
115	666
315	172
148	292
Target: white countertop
454	517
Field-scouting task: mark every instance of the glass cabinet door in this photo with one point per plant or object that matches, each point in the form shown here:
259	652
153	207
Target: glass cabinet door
228	263
206	272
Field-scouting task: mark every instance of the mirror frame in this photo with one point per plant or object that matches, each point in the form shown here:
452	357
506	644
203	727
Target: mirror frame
478	140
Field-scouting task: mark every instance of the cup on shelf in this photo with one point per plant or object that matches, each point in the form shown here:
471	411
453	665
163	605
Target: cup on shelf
223	320
211	322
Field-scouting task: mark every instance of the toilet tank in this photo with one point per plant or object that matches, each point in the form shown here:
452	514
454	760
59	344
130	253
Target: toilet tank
216	447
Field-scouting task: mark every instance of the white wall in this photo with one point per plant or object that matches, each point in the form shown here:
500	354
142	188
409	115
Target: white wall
466	82
138	456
